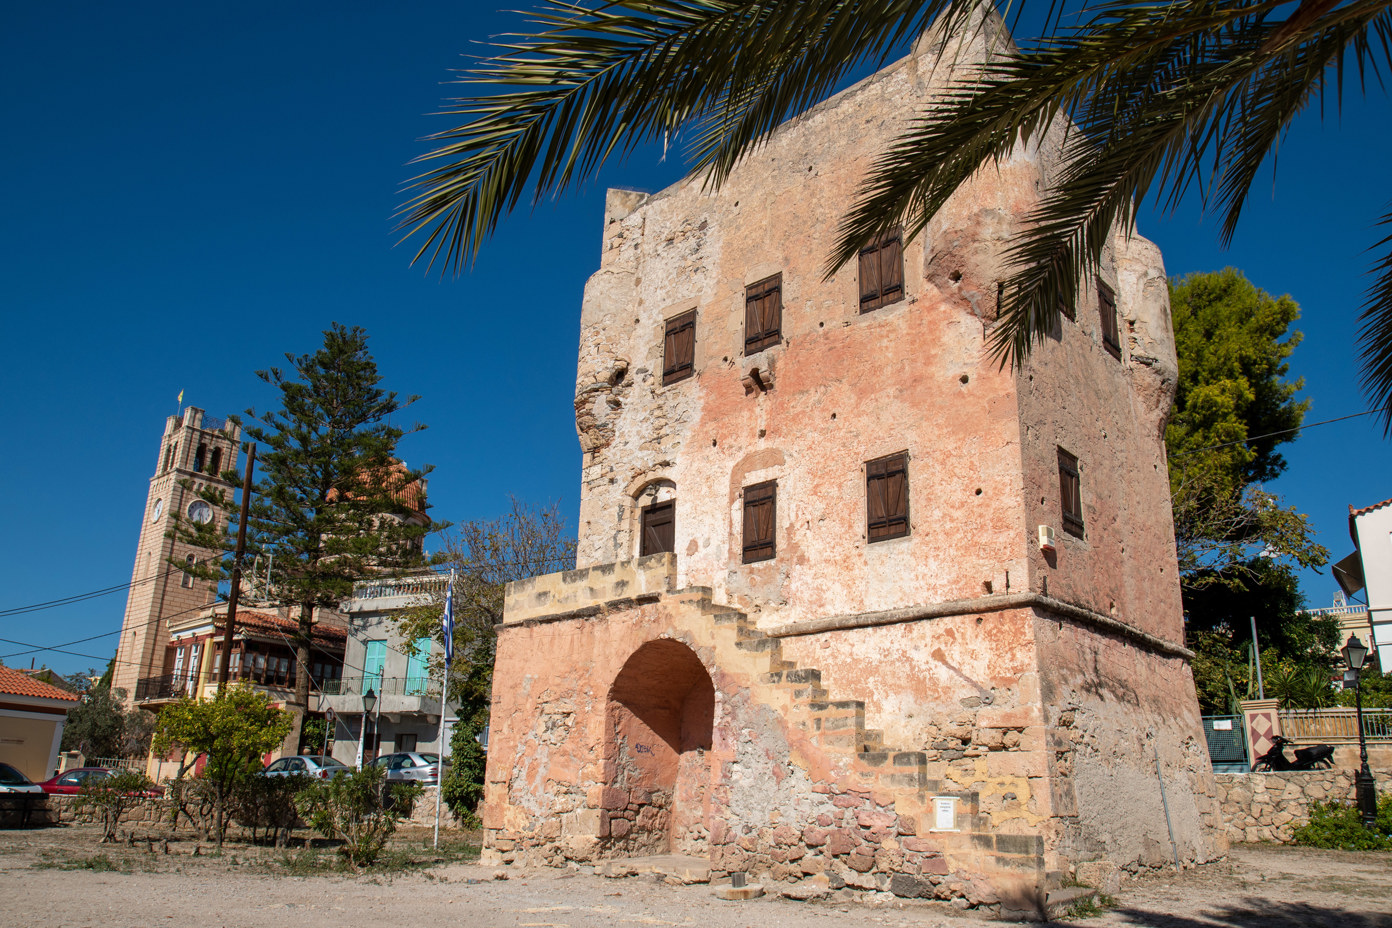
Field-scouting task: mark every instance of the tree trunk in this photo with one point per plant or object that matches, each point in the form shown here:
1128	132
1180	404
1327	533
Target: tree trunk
299	705
218	806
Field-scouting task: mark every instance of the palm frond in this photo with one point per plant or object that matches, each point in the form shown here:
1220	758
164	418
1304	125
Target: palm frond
1375	334
595	82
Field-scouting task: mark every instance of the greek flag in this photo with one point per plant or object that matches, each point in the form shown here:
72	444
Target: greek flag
449	621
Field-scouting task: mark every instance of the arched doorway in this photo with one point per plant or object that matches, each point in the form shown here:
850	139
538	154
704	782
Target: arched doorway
658	725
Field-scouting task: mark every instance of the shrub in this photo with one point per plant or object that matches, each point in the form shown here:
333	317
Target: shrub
358	809
110	798
267	805
1337	825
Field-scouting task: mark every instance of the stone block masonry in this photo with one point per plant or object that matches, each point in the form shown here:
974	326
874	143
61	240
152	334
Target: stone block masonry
1270	806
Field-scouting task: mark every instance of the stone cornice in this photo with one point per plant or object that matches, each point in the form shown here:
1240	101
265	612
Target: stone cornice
995	603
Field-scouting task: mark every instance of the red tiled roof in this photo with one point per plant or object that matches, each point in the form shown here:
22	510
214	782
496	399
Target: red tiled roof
18	683
281	624
1367	509
1355	513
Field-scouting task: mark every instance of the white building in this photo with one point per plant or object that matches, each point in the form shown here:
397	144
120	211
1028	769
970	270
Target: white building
1369	568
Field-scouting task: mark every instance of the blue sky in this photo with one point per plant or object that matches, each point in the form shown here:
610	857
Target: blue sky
193	190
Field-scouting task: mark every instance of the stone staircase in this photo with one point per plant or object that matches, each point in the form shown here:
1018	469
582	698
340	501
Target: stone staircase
837	727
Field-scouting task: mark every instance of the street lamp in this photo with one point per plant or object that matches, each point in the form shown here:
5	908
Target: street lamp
369	699
1365	789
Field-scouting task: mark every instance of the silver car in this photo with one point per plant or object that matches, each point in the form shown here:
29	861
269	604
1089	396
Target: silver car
311	765
12	781
411	767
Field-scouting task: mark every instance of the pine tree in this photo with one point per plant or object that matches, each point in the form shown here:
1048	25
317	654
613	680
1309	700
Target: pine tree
332	503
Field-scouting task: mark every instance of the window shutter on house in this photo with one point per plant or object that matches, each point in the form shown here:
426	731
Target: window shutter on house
763	314
1106	308
679	348
1070	493
659	529
887	497
882	273
760	519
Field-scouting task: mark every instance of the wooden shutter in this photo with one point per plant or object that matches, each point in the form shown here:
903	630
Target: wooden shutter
679	348
887	497
659	530
1106	308
763	314
1070	493
760	519
882	273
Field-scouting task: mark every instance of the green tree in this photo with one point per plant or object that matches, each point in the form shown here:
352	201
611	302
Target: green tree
1164	98
233	729
332	502
101	726
1234	406
485	555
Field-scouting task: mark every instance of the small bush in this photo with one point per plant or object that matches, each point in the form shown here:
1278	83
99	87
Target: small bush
358	809
110	798
267	805
1338	826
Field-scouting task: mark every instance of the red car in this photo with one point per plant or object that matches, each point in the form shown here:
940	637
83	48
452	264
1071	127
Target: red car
71	782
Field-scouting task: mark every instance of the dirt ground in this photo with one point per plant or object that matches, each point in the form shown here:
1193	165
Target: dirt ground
61	878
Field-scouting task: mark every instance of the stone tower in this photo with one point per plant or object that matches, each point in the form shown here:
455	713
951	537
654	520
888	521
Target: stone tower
196	448
853	602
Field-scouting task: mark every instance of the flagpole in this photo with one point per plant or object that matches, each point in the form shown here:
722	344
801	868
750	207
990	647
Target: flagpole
447	629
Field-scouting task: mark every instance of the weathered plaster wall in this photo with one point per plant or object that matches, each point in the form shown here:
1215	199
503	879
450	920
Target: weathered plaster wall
846	387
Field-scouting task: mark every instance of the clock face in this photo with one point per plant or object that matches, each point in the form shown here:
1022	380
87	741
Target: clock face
200	512
157	510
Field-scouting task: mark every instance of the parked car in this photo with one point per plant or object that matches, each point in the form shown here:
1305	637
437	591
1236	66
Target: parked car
411	767
71	782
12	781
313	765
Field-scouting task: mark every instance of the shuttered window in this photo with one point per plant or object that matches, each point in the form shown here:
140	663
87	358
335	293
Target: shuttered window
659	530
1070	493
882	273
760	516
1106	308
679	348
763	314
887	497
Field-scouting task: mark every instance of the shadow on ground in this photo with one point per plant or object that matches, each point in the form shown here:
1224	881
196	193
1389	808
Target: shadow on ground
1254	912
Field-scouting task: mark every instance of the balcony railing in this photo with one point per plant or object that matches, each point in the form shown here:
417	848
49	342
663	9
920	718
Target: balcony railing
166	686
400	586
383	686
1336	724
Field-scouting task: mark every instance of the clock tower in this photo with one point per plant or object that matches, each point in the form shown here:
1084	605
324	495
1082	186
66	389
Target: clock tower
195	450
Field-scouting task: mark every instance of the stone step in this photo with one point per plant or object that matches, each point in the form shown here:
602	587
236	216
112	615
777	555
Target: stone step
676	866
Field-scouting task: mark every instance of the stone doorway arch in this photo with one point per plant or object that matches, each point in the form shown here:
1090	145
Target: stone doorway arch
659	722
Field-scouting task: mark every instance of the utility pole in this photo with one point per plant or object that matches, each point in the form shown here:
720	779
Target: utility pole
225	664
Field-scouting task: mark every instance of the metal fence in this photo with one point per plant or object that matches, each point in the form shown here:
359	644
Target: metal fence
1227	745
382	686
1339	724
116	763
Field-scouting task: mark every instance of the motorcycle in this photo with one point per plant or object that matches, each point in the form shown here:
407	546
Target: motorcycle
1312	757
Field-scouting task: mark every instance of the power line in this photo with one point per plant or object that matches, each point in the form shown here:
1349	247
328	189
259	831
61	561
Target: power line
80	597
1244	441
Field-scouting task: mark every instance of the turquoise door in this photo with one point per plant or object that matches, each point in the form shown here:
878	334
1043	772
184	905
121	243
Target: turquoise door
416	669
373	662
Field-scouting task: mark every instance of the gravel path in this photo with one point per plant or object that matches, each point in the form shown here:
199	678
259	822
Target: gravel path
46	880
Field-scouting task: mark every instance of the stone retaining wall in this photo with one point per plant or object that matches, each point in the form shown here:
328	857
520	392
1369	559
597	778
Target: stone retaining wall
1270	806
141	812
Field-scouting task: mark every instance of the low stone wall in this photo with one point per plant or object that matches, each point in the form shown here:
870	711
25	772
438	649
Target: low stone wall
142	812
1270	806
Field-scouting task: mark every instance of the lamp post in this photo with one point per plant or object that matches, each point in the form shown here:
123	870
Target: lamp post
369	699
1365	789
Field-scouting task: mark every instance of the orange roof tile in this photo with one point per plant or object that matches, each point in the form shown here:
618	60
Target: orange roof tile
18	683
281	624
1367	509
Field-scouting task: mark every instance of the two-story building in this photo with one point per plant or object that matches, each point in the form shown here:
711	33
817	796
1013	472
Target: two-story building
405	696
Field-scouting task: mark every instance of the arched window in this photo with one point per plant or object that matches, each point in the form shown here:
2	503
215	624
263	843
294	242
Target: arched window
215	468
200	457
